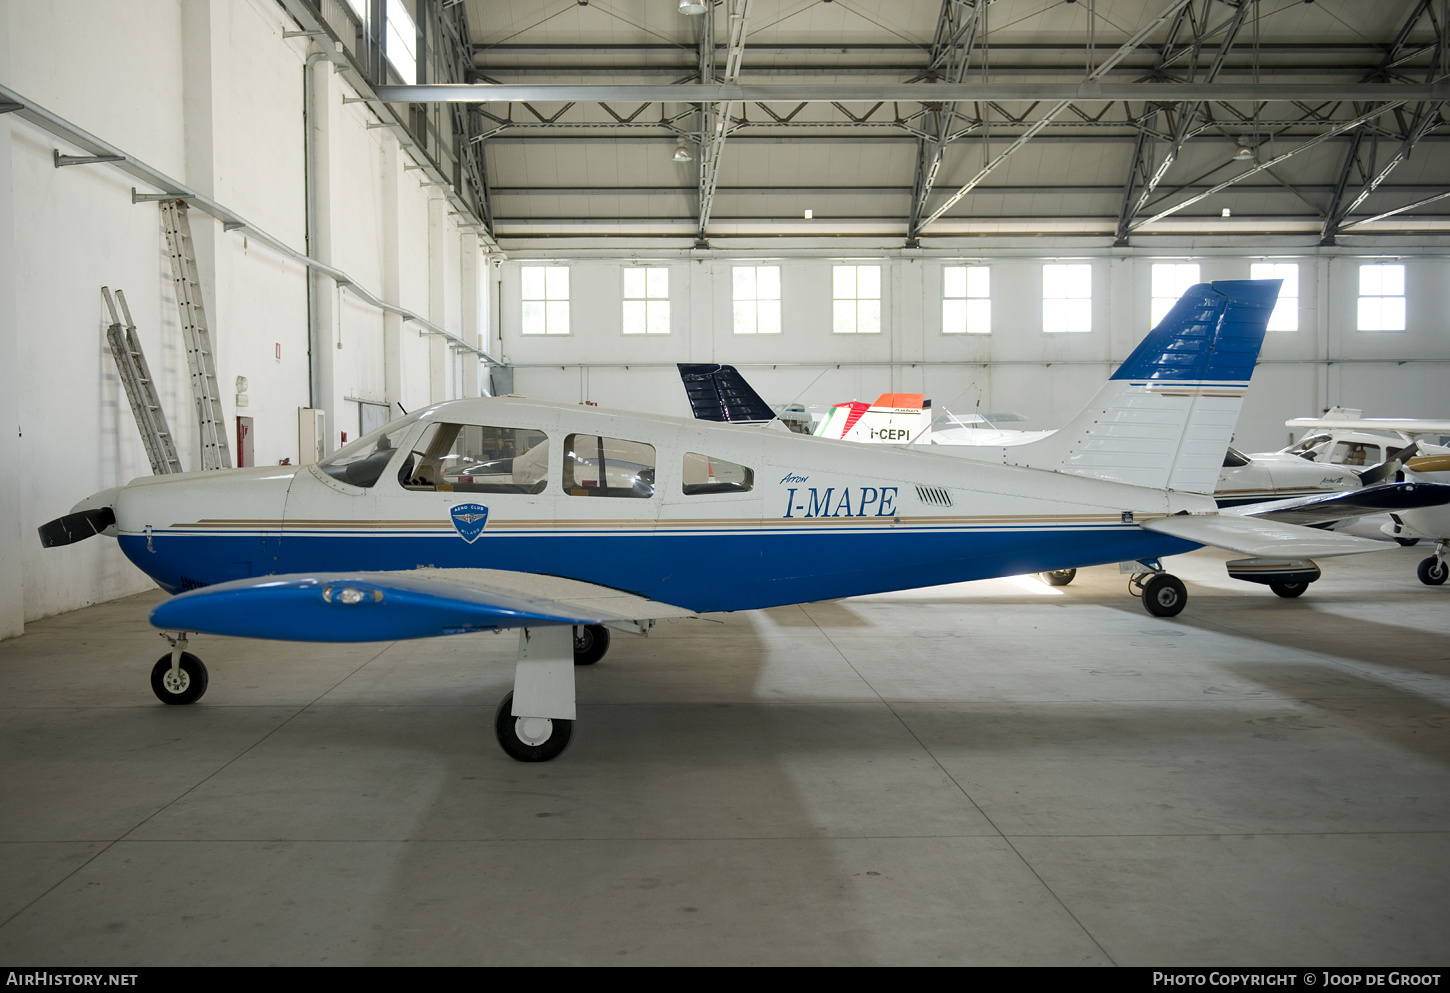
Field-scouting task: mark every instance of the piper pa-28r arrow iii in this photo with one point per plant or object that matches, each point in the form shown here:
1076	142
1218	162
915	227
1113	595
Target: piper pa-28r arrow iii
566	521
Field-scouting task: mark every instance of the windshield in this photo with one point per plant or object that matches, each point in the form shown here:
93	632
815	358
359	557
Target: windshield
363	461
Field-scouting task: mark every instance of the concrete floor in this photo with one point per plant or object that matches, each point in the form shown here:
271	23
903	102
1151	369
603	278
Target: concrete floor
987	773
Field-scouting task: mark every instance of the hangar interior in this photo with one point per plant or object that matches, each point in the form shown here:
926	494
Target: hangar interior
985	202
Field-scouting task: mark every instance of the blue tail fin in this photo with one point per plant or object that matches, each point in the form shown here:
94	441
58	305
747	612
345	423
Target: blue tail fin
1167	415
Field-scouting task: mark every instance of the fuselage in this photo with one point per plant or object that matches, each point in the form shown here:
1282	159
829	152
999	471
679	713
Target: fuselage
702	515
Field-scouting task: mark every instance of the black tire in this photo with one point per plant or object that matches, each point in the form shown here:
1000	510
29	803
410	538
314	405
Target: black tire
1060	577
193	680
1432	572
1288	590
511	734
591	642
1407	542
1164	595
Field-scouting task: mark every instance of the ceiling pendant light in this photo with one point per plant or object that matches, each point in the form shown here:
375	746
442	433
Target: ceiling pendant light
682	154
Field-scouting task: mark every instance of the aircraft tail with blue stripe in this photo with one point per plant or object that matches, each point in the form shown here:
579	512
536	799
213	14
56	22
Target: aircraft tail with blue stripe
1166	417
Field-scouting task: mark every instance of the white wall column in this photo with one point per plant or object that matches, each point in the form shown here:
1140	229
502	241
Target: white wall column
392	170
12	603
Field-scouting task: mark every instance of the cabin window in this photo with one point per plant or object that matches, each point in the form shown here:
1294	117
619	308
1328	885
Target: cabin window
1310	446
362	462
707	474
608	467
1352	453
477	458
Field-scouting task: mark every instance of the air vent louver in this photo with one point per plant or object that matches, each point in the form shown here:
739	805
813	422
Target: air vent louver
934	495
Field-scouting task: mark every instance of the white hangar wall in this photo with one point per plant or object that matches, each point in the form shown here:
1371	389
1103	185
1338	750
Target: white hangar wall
1018	368
209	93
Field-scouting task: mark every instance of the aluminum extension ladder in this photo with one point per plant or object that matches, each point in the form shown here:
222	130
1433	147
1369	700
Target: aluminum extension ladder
140	387
215	453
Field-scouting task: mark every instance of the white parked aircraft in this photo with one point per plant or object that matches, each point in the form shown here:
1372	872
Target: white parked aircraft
566	521
1344	436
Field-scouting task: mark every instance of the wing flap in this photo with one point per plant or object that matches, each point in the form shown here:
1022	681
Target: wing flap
1259	538
390	606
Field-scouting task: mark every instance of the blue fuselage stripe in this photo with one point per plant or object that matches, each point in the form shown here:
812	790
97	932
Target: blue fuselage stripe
703	570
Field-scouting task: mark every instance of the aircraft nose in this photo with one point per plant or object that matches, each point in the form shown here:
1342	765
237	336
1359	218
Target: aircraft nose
92	516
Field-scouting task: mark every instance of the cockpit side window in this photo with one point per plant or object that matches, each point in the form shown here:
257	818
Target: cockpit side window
707	474
475	458
608	467
363	462
1234	458
1309	446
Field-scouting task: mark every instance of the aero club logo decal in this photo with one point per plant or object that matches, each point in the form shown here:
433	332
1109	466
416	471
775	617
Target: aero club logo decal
469	519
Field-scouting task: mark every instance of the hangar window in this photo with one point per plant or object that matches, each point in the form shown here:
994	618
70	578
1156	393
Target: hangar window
756	297
608	467
545	291
707	474
646	300
402	42
474	458
1381	298
1067	298
1286	312
857	294
966	306
1170	279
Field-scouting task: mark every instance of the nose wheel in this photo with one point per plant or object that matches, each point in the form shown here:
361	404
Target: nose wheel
180	683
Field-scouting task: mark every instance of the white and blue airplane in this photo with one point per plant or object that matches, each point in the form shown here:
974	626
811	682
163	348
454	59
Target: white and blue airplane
566	521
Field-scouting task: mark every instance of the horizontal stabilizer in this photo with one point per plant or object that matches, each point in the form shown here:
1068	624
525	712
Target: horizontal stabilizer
719	393
1251	536
1326	508
389	606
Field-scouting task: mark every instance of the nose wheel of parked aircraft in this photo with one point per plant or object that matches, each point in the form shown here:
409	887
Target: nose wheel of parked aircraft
1163	595
530	739
1059	577
184	682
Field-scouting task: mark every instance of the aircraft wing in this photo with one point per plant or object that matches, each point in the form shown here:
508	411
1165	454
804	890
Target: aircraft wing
389	606
1325	508
1392	424
1259	538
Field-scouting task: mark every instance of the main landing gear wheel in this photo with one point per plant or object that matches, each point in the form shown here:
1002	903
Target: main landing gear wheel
591	641
1164	595
1060	577
1288	590
530	739
1407	542
185	686
1432	571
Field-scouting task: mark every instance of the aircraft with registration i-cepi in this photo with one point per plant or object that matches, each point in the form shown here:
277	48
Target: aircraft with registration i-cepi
566	522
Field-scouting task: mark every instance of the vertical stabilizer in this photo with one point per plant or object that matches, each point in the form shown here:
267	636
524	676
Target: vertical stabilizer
719	393
1167	415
